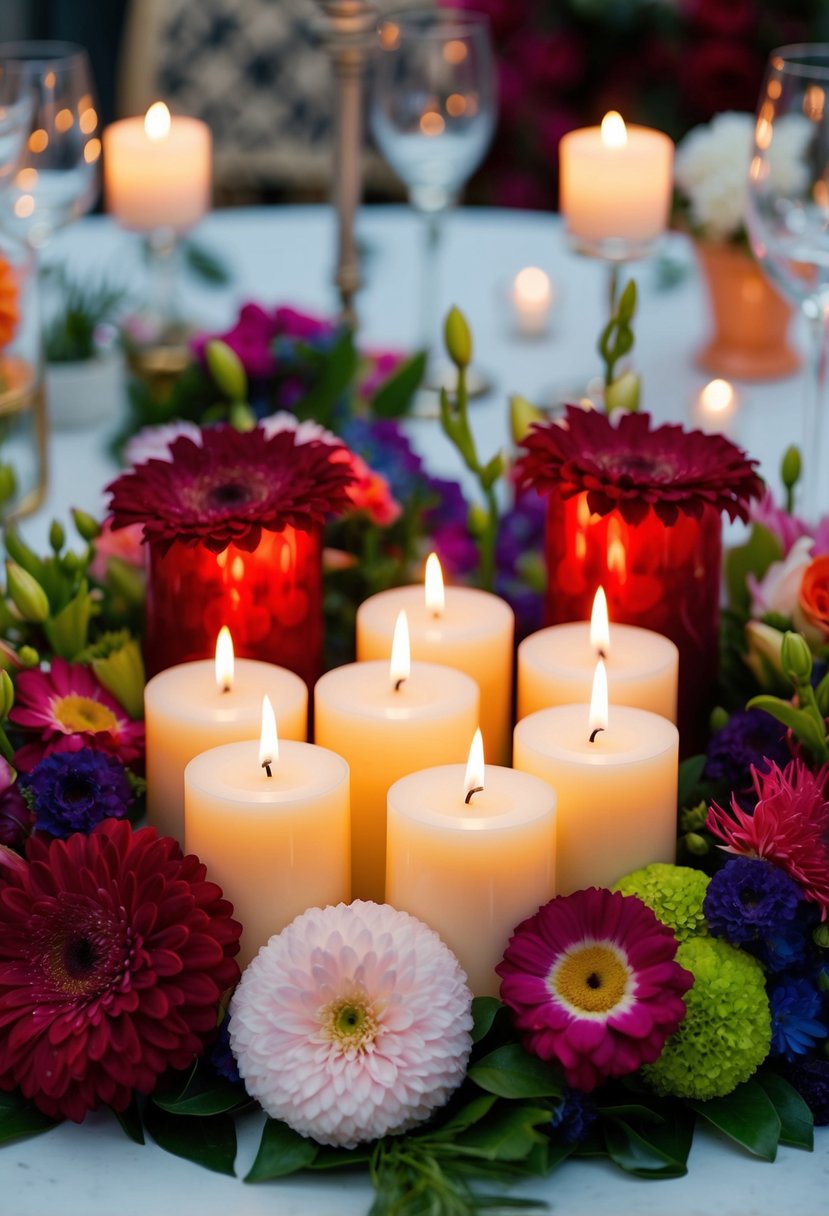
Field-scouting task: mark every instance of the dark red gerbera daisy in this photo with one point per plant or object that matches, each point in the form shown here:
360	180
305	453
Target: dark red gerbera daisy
229	487
114	952
631	466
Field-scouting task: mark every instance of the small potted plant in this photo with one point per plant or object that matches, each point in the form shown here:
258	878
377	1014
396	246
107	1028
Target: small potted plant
83	360
750	318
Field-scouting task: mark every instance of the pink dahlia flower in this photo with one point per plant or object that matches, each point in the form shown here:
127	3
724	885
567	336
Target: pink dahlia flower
788	827
593	983
70	710
351	1023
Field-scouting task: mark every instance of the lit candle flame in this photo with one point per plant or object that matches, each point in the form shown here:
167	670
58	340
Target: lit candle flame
599	627
400	667
225	664
157	121
473	782
268	740
717	396
614	131
433	586
597	719
532	285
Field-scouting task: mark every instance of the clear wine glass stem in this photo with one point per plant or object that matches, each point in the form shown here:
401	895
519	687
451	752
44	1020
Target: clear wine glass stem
163	266
817	316
431	320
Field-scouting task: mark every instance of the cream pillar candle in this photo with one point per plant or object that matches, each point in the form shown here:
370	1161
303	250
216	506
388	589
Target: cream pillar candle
616	183
556	665
157	171
462	627
616	787
276	844
195	706
387	725
471	870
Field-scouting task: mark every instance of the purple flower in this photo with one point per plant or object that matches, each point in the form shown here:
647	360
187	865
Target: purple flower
220	1055
574	1116
787	528
750	737
795	1010
811	1080
73	791
749	899
15	816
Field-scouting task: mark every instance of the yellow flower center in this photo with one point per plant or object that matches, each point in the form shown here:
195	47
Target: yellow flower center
350	1022
591	978
77	714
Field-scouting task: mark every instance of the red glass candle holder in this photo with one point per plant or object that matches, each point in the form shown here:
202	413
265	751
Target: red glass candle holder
270	599
659	576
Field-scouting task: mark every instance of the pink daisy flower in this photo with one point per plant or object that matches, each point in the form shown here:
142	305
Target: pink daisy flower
70	710
789	827
593	983
351	1023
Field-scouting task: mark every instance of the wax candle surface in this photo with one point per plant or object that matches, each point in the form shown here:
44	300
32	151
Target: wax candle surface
275	845
473	634
471	872
556	665
531	296
187	713
385	735
615	187
617	796
157	176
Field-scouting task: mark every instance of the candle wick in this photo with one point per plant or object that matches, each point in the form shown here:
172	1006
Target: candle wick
595	732
476	789
398	684
266	765
226	687
436	614
602	653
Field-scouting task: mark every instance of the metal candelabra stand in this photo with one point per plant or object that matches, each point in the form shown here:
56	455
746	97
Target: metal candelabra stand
348	40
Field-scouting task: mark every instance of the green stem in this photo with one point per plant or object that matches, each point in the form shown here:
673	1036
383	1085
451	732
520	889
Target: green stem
5	747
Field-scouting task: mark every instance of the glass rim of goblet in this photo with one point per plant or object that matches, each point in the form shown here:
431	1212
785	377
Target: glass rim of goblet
799	59
438	22
24	55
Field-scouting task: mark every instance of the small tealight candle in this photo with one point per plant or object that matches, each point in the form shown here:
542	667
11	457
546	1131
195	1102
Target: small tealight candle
532	300
270	820
472	854
715	407
614	770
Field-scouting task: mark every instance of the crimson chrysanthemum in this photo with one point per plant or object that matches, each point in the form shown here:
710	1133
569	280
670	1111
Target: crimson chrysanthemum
227	488
592	981
788	827
632	466
70	710
114	953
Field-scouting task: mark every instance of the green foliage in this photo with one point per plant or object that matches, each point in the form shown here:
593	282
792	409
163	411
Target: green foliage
754	557
209	1141
748	1116
83	306
19	1118
394	397
615	341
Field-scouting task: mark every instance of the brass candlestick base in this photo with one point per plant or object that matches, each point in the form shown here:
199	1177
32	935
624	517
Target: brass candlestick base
159	363
23	456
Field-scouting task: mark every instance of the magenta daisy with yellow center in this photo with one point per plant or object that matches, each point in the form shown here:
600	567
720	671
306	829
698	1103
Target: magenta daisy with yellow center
70	710
592	982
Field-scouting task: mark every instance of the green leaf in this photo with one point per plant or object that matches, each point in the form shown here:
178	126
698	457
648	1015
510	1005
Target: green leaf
485	1009
797	1125
336	370
130	1120
328	1158
822	696
469	1114
638	1154
222	1096
21	1118
205	264
631	1110
754	557
209	1141
690	775
394	396
511	1072
492	470
800	721
747	1116
281	1151
508	1133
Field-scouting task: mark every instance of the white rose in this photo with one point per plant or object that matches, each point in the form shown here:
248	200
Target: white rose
779	588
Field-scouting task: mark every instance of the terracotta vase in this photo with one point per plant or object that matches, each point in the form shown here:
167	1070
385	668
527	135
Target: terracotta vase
750	318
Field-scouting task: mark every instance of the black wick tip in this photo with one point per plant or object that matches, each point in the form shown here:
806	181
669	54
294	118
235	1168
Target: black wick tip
225	688
266	765
602	653
398	684
595	732
476	789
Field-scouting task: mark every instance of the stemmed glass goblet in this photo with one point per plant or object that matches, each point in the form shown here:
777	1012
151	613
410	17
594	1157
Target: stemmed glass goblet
787	216
432	116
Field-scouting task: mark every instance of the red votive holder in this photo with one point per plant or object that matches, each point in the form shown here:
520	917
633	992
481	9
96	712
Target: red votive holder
270	598
658	576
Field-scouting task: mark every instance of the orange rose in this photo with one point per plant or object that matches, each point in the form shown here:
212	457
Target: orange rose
814	594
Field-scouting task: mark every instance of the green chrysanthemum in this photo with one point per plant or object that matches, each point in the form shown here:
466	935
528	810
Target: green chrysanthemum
727	1031
673	893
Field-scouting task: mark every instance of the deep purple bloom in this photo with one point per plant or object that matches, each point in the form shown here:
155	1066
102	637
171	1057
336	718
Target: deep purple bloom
750	737
749	899
574	1116
73	791
795	1013
811	1080
221	1057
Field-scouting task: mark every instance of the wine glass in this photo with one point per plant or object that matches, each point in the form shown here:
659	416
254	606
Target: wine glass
432	115
787	216
55	178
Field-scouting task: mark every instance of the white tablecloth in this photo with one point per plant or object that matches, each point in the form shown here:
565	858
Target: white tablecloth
286	255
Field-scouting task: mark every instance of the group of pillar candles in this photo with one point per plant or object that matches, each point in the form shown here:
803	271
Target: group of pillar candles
393	800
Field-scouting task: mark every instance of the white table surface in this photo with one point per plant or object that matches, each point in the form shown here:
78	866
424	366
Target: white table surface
285	255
